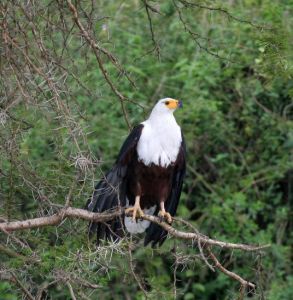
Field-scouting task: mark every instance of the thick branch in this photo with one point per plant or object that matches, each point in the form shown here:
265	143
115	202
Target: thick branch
57	218
203	239
71	212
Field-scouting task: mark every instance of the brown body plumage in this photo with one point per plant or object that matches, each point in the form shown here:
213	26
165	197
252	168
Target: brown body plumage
152	183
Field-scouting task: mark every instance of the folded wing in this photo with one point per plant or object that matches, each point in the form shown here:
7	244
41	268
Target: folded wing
110	192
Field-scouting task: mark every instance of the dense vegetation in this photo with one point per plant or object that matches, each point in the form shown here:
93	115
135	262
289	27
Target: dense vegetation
61	125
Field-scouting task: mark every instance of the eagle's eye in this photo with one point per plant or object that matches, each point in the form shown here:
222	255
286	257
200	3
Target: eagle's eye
167	102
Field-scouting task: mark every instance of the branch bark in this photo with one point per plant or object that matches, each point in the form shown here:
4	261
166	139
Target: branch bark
244	283
71	212
55	219
203	241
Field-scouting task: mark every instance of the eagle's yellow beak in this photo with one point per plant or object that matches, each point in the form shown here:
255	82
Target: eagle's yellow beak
173	104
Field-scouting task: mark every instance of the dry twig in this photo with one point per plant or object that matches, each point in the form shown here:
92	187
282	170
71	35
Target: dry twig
97	49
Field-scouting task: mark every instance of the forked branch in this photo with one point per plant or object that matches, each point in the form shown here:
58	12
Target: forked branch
76	213
71	212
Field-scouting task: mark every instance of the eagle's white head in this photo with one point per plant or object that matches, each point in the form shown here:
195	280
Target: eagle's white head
161	137
166	106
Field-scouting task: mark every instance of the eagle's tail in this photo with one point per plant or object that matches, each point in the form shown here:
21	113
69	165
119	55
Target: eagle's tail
138	226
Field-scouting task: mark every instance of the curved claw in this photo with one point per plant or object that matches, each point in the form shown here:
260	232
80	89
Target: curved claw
136	212
165	215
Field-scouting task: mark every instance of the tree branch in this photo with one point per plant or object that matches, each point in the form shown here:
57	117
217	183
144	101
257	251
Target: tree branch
97	49
244	283
223	11
71	212
156	46
25	291
57	218
202	240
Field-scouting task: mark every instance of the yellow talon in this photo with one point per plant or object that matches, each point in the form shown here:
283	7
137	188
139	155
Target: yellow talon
135	210
165	215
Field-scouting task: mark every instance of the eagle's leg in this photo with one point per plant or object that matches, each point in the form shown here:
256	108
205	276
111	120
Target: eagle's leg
135	210
164	214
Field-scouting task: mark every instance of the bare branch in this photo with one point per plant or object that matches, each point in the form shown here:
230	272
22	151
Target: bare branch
132	269
156	46
12	253
196	37
97	49
71	290
25	291
244	283
43	288
223	11
58	218
71	212
204	240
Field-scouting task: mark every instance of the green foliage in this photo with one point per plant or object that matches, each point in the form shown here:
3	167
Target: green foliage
6	291
235	81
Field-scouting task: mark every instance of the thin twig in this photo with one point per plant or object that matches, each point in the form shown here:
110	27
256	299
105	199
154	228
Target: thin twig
156	46
43	288
71	290
22	287
97	49
135	276
223	11
244	283
198	242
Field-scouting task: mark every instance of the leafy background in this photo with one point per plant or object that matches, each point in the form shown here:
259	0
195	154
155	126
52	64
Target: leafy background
232	69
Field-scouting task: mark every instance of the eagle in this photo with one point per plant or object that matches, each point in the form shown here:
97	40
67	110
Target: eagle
146	178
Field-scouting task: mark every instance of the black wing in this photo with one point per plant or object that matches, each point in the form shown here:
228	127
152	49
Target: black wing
110	192
155	233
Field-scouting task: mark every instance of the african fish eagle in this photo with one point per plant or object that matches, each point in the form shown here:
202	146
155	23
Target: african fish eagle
145	179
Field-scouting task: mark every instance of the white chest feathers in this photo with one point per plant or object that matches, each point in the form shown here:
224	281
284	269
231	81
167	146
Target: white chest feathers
159	142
